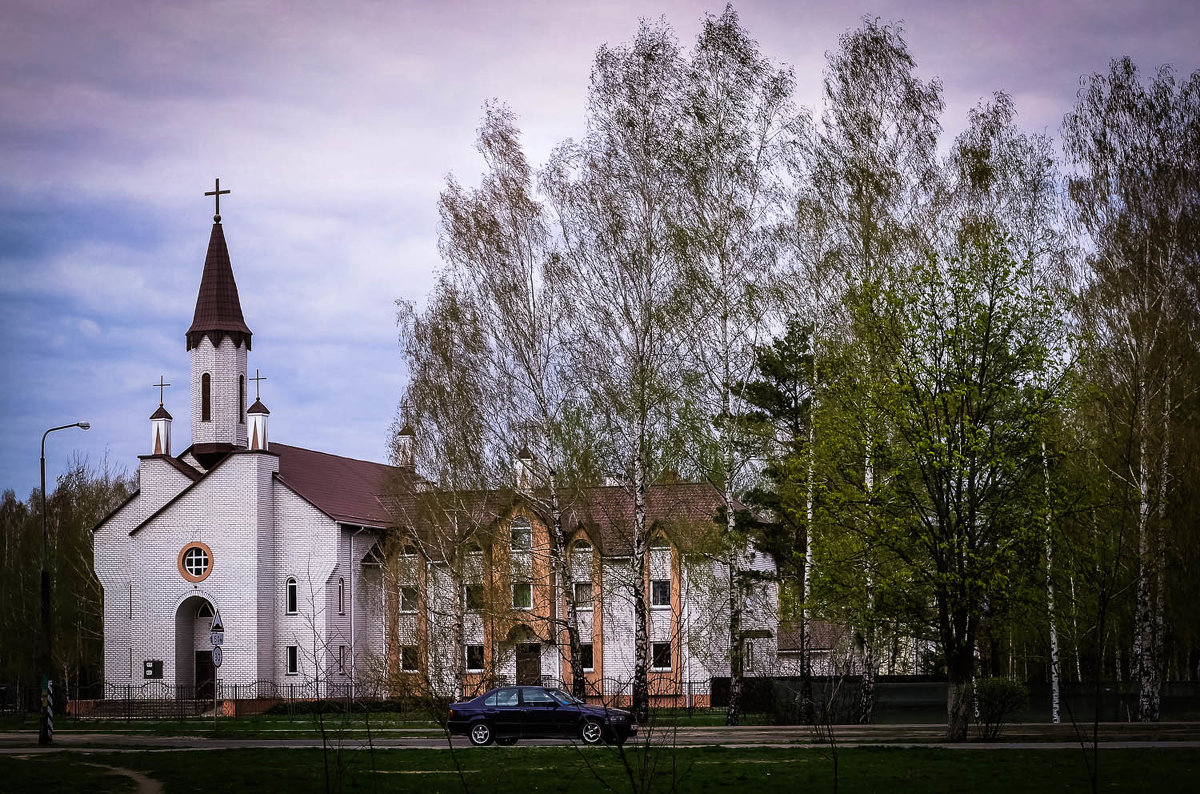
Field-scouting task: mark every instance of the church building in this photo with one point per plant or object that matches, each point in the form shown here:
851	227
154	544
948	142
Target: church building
271	537
301	556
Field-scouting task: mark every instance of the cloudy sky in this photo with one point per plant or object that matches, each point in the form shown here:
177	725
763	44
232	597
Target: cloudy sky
335	124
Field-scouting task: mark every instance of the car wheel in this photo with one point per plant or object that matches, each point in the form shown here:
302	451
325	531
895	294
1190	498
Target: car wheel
480	734
509	742
592	732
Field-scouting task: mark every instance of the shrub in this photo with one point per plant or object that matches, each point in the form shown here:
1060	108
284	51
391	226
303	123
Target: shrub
996	699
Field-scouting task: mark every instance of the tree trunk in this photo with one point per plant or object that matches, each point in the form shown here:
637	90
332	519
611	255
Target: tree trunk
866	700
736	657
1145	666
1054	663
959	703
565	572
641	637
807	711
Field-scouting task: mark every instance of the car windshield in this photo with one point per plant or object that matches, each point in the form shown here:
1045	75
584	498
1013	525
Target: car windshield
563	697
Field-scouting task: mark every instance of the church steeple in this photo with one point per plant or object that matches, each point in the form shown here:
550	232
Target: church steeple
218	309
218	341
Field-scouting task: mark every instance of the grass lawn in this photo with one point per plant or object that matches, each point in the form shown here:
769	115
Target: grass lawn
527	769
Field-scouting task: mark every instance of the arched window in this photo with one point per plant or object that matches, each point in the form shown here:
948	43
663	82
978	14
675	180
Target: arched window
242	398
522	534
290	594
205	397
341	596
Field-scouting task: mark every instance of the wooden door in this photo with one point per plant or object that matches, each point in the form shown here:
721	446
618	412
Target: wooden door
529	664
204	675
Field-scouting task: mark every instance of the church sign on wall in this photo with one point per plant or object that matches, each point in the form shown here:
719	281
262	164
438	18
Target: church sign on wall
152	668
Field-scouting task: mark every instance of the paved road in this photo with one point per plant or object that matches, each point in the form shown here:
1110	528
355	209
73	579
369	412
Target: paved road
1033	737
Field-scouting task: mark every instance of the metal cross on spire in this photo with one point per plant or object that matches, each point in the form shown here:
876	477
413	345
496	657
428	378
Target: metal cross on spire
161	385
256	379
217	193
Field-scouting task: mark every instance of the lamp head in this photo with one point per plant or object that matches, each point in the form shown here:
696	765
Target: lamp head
84	425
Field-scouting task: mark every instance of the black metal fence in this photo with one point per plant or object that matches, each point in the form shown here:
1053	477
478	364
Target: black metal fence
918	699
898	699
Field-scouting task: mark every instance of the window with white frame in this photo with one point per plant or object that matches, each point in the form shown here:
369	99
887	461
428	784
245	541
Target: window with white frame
341	596
474	658
660	655
522	595
748	657
289	591
583	595
522	534
587	656
408	657
408	599
660	593
292	659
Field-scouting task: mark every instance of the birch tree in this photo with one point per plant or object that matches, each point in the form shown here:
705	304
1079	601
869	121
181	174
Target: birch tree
616	195
498	240
737	123
445	463
1136	196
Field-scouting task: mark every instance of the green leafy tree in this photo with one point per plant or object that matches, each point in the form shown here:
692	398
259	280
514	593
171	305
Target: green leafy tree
967	408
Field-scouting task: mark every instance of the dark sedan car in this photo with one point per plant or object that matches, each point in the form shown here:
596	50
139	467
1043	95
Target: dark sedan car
510	713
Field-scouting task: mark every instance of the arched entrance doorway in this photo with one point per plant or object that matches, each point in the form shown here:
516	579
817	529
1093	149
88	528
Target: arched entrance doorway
194	671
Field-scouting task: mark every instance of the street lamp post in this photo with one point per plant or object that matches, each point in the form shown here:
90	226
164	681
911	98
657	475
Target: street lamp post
46	732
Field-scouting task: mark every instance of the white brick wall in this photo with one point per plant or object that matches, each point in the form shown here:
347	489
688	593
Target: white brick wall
305	548
225	364
618	618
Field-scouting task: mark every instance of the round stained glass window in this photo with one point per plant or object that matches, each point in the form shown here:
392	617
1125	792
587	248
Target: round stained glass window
195	562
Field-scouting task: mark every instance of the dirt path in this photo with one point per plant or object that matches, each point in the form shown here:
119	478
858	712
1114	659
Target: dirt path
145	785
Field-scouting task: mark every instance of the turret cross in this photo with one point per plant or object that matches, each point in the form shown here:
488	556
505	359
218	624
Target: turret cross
161	385
256	379
217	193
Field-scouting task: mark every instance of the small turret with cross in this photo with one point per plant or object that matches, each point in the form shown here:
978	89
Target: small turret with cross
160	424
257	414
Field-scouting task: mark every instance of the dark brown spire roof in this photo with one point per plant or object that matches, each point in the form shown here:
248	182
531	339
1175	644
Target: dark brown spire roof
257	408
161	413
218	310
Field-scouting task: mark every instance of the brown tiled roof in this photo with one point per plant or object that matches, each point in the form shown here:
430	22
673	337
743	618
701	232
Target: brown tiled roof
822	636
345	489
679	509
218	309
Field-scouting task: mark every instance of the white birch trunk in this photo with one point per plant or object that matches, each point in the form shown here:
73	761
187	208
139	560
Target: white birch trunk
1054	661
866	704
1145	668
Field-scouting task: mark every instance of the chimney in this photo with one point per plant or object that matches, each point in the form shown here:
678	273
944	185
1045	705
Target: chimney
160	432
524	469
257	437
406	441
